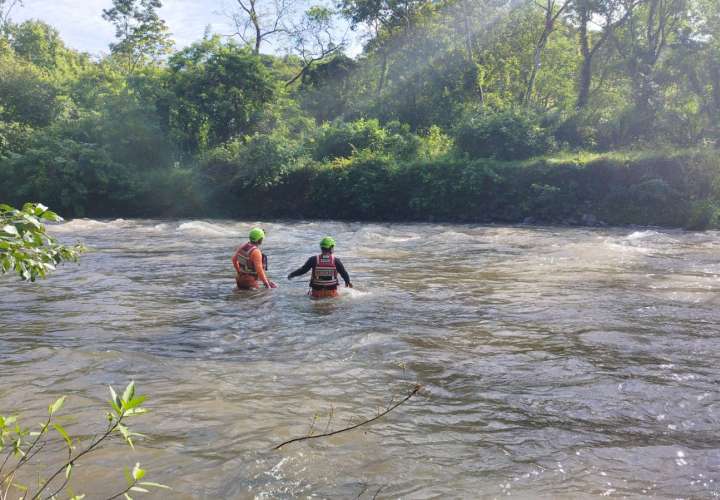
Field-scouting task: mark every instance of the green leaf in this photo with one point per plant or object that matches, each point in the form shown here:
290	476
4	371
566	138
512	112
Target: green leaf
136	411
78	497
56	405
9	229
137	472
126	435
52	216
138	488
127	497
128	476
133	403
64	434
154	485
115	400
129	393
7	421
68	470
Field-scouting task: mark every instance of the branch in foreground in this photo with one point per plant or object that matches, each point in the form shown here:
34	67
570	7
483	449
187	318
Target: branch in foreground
415	390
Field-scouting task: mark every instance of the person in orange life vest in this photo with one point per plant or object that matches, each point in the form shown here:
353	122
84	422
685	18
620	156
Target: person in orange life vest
325	268
250	263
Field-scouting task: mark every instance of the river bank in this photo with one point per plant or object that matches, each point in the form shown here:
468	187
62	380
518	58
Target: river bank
660	188
673	188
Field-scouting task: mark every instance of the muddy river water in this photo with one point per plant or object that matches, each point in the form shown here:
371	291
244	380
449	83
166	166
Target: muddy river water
555	362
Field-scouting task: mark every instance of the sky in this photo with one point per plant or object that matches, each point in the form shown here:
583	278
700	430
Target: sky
82	27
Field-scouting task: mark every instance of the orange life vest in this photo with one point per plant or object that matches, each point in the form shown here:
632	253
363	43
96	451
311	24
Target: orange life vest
325	272
243	258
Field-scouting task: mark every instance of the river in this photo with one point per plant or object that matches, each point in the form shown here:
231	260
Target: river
555	362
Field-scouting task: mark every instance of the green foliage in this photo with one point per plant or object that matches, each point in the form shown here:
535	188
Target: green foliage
40	44
437	110
13	136
358	187
703	214
245	165
435	144
507	135
26	94
72	175
326	88
20	447
142	36
218	91
342	139
25	246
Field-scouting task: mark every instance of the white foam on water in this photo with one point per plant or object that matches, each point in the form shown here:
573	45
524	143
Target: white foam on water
354	293
649	235
638	235
204	228
78	225
455	236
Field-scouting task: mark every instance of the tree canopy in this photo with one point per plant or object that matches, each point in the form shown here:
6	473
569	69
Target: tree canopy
221	127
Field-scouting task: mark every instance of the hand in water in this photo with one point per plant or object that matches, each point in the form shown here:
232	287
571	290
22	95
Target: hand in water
271	285
349	285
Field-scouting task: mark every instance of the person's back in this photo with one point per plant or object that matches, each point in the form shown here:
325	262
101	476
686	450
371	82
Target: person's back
325	269
250	263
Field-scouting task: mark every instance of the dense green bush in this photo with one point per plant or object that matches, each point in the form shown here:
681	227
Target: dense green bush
76	177
26	93
703	214
512	134
652	201
450	188
358	187
251	162
13	137
578	130
341	139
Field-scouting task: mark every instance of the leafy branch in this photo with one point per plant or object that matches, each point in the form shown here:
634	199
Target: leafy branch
25	246
123	406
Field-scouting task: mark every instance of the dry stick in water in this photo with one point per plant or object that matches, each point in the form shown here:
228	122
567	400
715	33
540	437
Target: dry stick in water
412	393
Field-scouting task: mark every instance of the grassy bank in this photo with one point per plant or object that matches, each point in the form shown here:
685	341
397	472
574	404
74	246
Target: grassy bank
665	188
678	188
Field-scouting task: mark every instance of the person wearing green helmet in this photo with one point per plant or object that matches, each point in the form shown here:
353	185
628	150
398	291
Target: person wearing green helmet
250	263
325	269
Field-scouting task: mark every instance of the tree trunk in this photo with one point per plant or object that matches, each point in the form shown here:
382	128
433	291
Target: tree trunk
258	38
468	35
383	72
715	82
539	47
585	79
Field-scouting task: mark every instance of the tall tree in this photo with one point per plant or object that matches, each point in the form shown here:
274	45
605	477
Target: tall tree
6	8
607	16
387	20
553	10
259	21
314	39
219	91
651	27
142	35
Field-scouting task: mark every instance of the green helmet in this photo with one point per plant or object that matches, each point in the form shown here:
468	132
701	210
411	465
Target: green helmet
256	234
327	243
